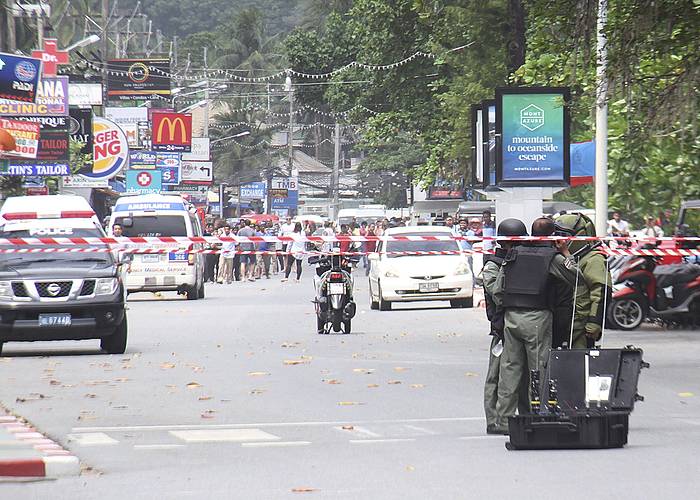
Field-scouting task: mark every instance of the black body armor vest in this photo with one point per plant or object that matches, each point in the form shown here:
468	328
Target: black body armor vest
527	276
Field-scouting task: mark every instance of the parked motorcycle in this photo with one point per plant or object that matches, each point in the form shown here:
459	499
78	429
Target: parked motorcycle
334	302
668	294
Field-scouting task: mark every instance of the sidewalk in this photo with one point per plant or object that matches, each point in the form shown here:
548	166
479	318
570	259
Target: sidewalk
25	452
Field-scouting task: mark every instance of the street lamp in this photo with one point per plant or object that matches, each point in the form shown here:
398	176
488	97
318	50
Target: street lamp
240	134
83	43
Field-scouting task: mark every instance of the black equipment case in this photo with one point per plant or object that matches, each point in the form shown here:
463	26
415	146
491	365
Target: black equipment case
589	394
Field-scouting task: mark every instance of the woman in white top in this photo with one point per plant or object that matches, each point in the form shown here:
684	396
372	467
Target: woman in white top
296	252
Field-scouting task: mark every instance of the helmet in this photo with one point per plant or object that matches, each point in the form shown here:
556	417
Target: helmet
574	224
511	227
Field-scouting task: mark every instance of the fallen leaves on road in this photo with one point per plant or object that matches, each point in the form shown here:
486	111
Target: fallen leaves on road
372	386
471	374
34	396
204	398
96	382
193	385
410	468
208	414
87	415
167	366
348	428
90	396
332	381
349	403
394	382
685	394
303	360
303	489
258	374
400	369
121	379
54	382
290	345
366	371
417	386
257	391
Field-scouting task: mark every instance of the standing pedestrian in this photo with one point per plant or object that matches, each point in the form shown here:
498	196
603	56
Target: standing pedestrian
264	259
488	229
228	250
247	259
651	230
296	252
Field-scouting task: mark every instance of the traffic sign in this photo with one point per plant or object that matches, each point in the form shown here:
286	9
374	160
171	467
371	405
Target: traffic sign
19	77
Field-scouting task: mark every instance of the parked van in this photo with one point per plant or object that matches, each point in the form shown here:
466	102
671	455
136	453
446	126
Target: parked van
59	295
156	215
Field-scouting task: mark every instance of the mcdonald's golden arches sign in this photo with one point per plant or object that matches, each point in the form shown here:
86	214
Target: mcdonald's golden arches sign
172	132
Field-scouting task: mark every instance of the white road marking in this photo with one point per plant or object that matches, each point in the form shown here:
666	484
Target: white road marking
388	440
275	444
223	435
469	438
356	429
422	430
271	424
92	439
157	446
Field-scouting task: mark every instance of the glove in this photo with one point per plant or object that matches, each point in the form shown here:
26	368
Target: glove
593	330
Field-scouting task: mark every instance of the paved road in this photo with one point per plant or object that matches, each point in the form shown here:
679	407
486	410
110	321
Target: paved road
237	397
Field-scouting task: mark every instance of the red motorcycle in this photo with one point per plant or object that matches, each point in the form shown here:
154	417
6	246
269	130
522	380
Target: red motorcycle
667	294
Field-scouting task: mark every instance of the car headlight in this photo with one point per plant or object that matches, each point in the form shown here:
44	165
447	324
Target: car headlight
106	286
5	290
462	268
391	273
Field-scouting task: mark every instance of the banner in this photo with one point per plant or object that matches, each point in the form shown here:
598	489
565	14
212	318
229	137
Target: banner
19	77
85	94
533	126
80	129
169	166
51	99
128	120
26	135
172	132
488	141
253	191
35	169
53	137
80	181
110	150
197	171
138	79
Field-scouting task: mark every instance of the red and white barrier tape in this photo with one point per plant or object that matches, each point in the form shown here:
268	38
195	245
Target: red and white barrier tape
92	249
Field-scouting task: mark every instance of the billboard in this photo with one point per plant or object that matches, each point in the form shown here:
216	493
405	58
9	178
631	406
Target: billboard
253	191
51	99
143	181
30	168
169	166
128	120
476	147
26	135
80	128
138	79
488	141
110	150
197	171
19	77
172	132
533	126
142	160
85	94
53	137
199	150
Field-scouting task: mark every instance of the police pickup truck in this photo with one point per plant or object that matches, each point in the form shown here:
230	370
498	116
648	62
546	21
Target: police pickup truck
58	292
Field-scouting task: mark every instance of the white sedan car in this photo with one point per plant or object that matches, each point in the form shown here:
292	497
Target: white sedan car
397	276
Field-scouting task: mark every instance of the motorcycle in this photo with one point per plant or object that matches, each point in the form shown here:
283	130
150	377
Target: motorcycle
667	294
334	302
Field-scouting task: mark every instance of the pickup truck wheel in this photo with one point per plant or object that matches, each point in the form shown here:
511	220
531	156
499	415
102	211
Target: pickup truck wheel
192	292
200	292
116	343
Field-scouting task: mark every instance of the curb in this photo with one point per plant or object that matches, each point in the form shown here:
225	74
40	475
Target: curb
51	460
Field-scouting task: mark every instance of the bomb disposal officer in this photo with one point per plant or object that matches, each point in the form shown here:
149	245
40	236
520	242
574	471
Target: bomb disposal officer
522	289
594	281
495	315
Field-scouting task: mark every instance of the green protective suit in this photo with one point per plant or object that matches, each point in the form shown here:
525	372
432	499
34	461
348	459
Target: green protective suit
489	274
594	282
528	338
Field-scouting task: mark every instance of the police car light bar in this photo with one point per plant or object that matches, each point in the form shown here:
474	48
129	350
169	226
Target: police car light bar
69	214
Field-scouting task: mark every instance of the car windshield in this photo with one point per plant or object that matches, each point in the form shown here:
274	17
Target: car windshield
420	246
91	257
154	225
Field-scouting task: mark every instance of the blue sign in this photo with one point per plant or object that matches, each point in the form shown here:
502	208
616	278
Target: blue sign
254	191
291	201
127	206
583	159
36	169
144	181
142	160
19	77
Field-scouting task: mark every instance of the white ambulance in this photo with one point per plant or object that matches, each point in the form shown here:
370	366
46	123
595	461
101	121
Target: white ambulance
157	215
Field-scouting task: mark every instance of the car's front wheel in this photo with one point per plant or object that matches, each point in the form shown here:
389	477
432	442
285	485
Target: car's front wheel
373	304
116	343
384	305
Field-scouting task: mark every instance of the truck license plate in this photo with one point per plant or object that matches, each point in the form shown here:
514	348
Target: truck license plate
177	256
336	288
431	286
62	319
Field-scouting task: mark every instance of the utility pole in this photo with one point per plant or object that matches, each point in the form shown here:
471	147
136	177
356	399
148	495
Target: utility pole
270	169
206	96
105	48
336	172
11	35
601	124
40	29
290	132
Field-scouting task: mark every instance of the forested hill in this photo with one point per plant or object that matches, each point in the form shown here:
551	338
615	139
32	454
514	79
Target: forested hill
185	17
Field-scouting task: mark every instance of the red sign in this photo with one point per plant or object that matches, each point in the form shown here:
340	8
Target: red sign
440	193
26	136
51	56
37	191
172	132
